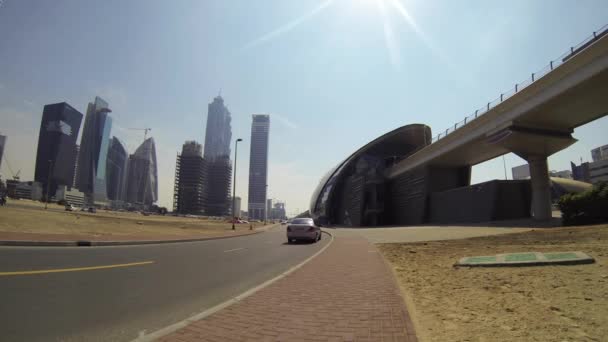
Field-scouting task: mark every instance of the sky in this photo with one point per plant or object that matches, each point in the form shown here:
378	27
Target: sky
333	75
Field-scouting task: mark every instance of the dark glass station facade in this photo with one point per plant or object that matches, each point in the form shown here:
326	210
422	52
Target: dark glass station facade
356	192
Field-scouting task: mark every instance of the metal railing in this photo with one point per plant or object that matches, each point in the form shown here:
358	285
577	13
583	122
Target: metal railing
574	50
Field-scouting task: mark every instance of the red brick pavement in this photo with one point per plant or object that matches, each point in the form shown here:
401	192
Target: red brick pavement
347	293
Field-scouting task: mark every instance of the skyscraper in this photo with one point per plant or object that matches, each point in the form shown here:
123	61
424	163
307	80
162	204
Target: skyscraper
142	183
217	156
94	151
116	170
190	175
2	143
218	132
55	157
258	167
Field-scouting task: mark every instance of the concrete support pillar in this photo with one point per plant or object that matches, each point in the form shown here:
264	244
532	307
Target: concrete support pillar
541	187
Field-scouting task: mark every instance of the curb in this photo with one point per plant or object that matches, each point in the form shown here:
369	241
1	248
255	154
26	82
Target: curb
89	243
176	326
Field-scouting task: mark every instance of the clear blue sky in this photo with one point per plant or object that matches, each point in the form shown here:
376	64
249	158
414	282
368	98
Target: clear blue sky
332	74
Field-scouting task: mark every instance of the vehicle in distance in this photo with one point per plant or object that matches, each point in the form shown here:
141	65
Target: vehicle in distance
284	222
69	207
303	229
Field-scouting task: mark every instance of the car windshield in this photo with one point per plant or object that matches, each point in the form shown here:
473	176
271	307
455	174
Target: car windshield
302	221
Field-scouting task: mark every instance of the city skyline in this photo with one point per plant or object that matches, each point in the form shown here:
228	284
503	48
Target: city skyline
330	77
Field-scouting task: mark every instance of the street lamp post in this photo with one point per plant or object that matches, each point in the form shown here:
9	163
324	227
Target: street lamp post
48	184
236	146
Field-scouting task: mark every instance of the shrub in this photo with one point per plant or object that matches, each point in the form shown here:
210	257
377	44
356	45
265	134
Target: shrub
587	207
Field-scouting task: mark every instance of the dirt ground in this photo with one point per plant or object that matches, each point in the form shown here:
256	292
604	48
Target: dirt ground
541	303
23	216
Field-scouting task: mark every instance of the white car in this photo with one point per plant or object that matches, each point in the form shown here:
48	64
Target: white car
303	229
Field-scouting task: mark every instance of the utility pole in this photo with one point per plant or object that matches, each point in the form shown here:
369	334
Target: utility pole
236	146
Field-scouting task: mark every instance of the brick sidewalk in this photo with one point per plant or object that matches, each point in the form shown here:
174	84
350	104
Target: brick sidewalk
347	293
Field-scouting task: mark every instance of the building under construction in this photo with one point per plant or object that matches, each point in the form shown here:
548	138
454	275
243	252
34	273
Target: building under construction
189	196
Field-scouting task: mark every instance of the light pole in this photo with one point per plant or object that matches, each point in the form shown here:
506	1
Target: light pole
236	146
48	184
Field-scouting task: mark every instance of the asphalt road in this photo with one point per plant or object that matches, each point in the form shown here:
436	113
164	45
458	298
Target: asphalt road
116	304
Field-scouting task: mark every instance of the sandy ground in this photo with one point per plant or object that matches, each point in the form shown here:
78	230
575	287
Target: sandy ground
30	217
542	303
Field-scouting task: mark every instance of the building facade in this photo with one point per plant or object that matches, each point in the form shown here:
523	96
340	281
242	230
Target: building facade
595	171
218	186
93	152
599	153
189	196
258	167
598	171
521	172
278	211
237	207
55	157
355	192
116	170
142	179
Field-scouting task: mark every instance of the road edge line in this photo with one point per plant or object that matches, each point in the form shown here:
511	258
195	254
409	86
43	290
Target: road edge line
176	326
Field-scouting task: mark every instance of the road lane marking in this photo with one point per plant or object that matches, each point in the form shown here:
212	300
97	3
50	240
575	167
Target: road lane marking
233	250
77	269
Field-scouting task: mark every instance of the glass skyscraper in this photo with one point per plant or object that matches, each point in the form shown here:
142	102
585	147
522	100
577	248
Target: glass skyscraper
55	156
142	183
258	167
2	144
217	156
218	132
94	151
116	170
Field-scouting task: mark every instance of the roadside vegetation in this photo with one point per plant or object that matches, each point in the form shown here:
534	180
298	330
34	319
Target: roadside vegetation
588	207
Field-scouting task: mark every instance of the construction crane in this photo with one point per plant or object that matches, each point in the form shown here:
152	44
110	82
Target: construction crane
142	129
10	169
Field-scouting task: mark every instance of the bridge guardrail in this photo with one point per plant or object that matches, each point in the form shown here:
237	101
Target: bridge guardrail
574	50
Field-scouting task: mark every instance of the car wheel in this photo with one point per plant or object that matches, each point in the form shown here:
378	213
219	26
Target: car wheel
289	241
320	234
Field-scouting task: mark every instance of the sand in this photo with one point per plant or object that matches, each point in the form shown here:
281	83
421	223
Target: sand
542	303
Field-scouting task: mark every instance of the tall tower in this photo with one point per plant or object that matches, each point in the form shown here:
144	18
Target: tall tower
55	156
217	157
258	167
142	183
218	132
2	143
94	151
116	170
